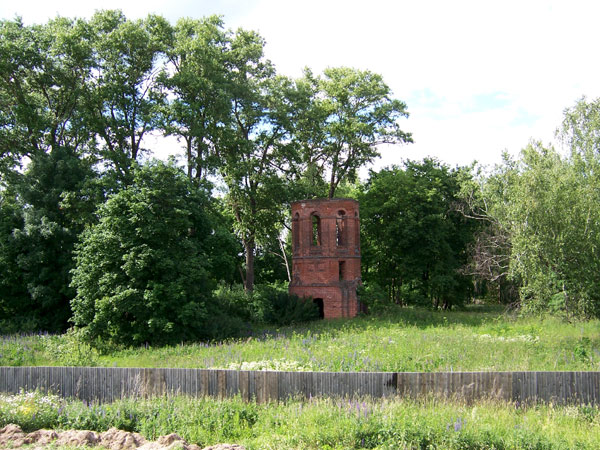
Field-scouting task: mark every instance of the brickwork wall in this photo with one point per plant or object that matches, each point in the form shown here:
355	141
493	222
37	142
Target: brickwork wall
326	254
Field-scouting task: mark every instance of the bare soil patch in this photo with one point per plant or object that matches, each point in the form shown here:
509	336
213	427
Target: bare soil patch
11	436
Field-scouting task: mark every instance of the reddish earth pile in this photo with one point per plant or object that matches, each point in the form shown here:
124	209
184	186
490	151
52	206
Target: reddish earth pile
11	436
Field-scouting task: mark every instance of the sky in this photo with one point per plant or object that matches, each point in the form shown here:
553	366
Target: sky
478	77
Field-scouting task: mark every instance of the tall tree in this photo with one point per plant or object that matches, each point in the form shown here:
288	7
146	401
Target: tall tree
555	234
43	73
414	242
484	199
197	77
251	147
123	97
544	205
14	297
352	113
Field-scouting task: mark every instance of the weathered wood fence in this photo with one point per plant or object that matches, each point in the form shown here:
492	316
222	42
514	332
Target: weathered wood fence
107	384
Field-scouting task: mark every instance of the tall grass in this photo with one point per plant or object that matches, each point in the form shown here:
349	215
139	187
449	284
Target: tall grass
320	423
403	339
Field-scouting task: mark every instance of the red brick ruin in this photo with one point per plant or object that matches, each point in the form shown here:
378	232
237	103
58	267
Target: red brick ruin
326	255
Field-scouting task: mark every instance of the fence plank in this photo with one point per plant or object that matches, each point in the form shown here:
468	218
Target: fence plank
244	387
108	384
232	383
259	386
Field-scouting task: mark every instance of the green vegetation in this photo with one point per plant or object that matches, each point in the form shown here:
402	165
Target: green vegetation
132	262
320	423
127	263
414	238
96	236
402	339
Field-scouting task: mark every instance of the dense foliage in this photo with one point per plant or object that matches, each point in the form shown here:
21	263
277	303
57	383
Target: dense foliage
415	240
92	234
541	230
142	272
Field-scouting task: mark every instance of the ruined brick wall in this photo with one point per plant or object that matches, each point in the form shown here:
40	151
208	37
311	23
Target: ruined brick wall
326	254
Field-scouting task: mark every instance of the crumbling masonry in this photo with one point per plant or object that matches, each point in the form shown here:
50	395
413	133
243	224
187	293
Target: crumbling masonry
326	255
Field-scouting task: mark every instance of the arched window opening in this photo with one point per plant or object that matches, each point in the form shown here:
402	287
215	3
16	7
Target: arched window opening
340	228
316	229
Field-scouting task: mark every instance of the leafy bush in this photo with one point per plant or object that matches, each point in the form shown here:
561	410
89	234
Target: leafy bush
70	349
141	273
268	304
234	302
273	304
373	296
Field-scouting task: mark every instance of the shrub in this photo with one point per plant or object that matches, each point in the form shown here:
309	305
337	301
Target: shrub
141	272
268	304
70	349
273	304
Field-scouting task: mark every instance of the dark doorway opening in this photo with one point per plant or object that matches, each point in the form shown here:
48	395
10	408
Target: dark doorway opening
319	303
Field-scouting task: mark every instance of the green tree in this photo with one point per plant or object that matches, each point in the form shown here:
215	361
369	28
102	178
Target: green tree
13	291
580	129
414	240
197	77
123	97
142	272
233	114
352	113
252	147
52	194
43	72
541	217
555	234
484	199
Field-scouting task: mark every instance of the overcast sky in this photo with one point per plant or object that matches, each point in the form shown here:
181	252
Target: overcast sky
478	77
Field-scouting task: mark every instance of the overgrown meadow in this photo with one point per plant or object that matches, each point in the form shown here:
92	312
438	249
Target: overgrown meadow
401	339
320	423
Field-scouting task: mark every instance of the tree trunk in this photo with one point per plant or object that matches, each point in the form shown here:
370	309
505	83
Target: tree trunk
287	266
249	247
190	159
332	186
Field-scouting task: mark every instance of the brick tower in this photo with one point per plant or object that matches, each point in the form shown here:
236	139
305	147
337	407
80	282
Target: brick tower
326	255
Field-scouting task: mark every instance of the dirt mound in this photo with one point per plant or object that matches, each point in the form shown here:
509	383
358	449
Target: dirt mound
11	436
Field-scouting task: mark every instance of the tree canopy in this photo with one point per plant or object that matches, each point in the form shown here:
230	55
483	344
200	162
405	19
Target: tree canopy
414	239
143	271
94	233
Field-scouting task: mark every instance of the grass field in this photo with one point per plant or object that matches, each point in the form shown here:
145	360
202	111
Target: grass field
320	423
403	339
400	340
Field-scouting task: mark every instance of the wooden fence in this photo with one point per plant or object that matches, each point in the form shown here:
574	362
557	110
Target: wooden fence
107	384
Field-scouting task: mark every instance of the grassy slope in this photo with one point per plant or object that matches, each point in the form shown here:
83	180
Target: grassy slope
400	340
